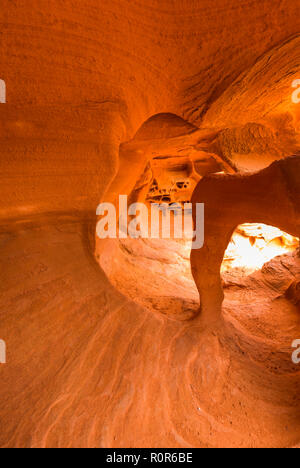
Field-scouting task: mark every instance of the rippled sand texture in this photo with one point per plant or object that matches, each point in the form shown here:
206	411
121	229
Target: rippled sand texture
87	367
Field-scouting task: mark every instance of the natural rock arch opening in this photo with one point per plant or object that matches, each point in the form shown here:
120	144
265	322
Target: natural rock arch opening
165	168
236	363
233	353
232	200
169	158
253	245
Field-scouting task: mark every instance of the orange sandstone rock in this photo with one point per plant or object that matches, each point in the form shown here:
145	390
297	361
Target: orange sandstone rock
101	348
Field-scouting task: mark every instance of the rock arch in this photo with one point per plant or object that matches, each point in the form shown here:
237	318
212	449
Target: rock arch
271	196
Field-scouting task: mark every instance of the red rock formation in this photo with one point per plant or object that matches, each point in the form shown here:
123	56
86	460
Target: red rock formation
271	196
101	351
293	293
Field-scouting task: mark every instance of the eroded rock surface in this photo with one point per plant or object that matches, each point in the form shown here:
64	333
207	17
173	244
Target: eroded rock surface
270	196
293	293
98	93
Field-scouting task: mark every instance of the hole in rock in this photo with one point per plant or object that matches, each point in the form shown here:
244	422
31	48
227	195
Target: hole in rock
156	273
253	245
166	164
238	367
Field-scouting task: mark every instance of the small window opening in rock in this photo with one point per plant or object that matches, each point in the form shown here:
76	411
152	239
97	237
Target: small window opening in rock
253	245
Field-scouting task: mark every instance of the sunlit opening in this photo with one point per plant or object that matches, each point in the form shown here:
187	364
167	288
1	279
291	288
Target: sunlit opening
253	245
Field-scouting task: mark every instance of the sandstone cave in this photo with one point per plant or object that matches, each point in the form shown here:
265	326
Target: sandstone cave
134	342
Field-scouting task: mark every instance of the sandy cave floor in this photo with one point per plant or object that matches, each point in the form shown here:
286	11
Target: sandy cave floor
98	370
